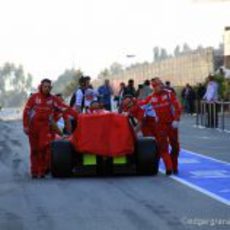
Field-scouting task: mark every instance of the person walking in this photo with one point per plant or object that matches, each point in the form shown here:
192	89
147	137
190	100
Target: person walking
168	110
188	97
145	90
191	97
199	96
105	92
120	95
38	118
158	116
211	97
169	87
89	95
130	89
77	100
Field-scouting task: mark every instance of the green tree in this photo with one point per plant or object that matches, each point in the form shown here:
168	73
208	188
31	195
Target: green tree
186	48
71	85
69	75
226	93
14	85
116	68
163	54
223	85
200	47
177	51
156	53
104	74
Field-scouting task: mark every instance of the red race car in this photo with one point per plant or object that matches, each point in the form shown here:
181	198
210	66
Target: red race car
103	144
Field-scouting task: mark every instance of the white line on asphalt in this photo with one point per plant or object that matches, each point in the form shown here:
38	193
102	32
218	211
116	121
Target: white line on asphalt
204	191
218	129
197	188
203	156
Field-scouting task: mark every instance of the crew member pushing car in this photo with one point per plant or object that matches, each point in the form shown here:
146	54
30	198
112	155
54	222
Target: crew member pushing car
159	116
37	123
168	111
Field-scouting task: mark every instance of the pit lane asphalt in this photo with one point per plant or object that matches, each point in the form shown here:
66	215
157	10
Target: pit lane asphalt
105	203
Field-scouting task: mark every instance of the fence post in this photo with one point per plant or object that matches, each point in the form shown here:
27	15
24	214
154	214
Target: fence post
197	112
203	113
215	115
208	115
222	114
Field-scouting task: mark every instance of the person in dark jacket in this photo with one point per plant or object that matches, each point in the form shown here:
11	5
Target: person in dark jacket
199	96
188	95
130	89
169	87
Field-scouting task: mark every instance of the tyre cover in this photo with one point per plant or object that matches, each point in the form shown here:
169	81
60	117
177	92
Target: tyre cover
106	134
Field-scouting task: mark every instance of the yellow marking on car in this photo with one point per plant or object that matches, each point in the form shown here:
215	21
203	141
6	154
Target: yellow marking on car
119	160
89	159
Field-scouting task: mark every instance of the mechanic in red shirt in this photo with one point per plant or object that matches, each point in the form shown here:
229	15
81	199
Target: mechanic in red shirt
38	117
158	116
168	111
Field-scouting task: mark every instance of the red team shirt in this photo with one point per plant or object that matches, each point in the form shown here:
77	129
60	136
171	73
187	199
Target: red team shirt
43	108
165	105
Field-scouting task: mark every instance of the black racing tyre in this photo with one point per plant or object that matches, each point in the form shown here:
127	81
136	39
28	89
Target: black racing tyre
147	162
61	158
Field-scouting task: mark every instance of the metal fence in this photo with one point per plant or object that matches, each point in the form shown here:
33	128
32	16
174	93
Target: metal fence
213	115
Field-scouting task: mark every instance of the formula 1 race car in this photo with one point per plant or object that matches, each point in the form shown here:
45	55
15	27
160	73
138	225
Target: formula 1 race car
103	144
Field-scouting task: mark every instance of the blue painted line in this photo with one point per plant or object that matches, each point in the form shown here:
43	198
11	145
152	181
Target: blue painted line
205	174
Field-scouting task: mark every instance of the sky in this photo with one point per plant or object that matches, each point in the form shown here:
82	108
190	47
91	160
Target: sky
49	36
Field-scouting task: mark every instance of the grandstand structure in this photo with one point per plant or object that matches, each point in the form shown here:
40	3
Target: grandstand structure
192	67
